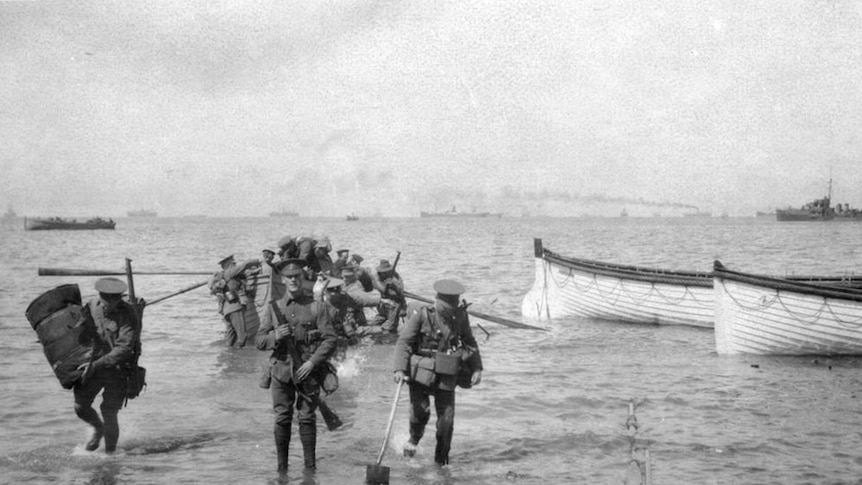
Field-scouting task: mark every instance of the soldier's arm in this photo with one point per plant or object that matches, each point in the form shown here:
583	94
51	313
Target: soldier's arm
363	298
329	340
468	339
265	338
407	340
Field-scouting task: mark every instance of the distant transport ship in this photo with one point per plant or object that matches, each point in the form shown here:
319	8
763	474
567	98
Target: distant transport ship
284	213
142	213
819	210
454	213
59	224
698	214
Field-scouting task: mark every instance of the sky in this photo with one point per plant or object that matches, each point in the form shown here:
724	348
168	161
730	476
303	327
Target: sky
239	108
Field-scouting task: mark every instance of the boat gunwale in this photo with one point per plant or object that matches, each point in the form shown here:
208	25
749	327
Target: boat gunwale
720	272
638	273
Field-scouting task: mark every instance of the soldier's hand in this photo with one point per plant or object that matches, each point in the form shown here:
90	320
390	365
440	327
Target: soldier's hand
304	370
476	378
282	331
88	371
400	376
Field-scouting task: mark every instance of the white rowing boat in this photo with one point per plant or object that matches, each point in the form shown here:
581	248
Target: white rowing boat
567	287
763	315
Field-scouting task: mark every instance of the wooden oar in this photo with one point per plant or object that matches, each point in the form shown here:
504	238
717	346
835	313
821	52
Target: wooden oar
96	272
179	292
491	318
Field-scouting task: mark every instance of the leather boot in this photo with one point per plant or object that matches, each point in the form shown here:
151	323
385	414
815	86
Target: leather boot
282	444
95	438
416	432
308	436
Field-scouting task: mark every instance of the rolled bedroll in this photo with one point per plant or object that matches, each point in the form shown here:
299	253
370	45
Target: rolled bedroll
57	317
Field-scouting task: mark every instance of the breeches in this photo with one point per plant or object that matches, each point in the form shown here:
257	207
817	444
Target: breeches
285	398
236	334
420	413
114	384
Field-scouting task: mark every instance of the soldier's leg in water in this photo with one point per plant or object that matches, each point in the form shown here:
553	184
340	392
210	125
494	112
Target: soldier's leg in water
420	413
444	404
236	321
112	401
229	332
307	416
84	396
283	396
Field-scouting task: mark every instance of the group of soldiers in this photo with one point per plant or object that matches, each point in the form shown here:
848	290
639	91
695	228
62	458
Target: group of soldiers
312	302
344	283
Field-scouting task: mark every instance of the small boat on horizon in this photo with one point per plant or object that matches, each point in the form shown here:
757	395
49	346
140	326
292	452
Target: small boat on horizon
455	213
60	224
142	213
352	217
284	213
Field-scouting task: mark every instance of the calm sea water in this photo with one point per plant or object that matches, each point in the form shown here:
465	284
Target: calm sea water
553	405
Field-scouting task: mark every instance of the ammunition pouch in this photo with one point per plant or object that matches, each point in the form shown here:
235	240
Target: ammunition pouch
447	364
422	370
231	296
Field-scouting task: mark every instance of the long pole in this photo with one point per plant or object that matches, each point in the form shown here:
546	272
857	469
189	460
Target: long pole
491	318
100	272
179	292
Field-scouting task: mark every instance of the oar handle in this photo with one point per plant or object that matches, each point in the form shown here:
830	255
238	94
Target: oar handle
491	318
391	419
190	288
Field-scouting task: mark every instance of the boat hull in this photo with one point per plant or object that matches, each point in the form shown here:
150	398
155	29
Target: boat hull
569	287
760	315
49	225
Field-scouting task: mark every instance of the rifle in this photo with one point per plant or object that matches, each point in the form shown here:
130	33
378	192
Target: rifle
332	420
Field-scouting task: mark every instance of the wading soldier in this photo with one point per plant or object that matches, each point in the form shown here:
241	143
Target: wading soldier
229	286
115	330
298	331
437	337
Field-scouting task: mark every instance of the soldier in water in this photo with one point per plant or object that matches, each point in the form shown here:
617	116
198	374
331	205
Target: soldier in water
115	330
229	286
435	353
298	330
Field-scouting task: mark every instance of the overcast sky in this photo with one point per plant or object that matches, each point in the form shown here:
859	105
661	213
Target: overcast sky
331	107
